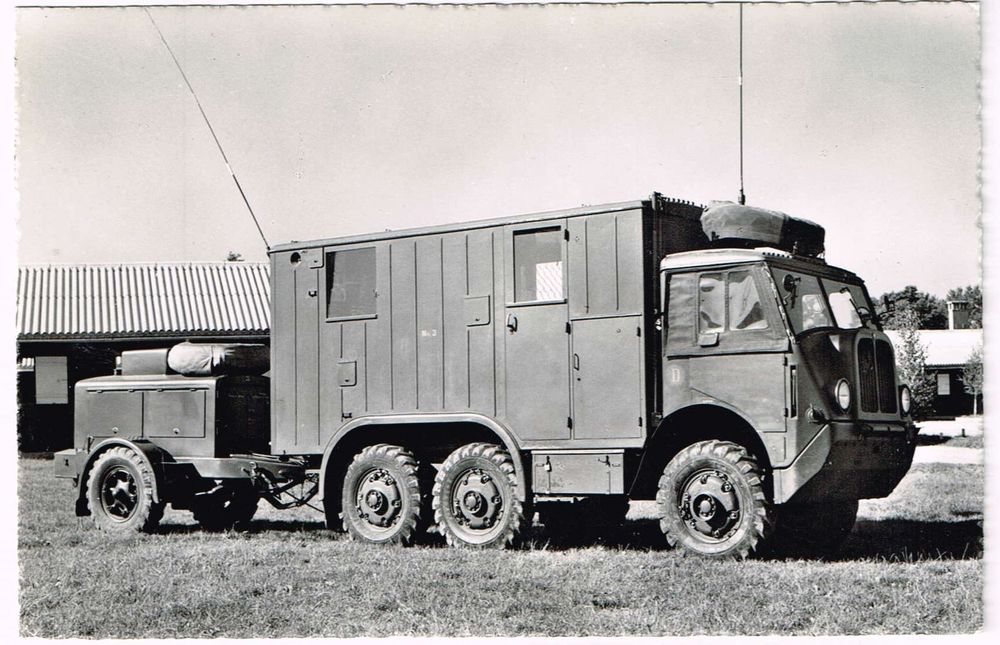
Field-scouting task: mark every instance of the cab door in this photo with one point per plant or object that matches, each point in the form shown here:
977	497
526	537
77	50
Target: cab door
536	342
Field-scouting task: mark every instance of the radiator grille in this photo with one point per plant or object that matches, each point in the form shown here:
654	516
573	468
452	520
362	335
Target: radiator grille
886	376
877	378
868	375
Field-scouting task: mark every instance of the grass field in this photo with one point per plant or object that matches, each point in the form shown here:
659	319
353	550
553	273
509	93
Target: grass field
913	565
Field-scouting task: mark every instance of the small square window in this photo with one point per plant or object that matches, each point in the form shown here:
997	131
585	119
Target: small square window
944	384
51	383
538	273
350	283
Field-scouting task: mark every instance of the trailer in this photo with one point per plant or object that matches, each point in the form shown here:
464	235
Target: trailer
460	378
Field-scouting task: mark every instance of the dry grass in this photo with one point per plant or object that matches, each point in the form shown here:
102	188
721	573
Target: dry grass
913	565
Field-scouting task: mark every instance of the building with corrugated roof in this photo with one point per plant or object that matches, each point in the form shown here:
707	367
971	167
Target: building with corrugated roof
74	320
947	351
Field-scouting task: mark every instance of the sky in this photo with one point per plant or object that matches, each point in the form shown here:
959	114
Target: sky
344	120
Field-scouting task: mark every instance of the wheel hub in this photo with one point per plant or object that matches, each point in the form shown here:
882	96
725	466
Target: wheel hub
473	502
378	499
478	500
706	506
709	505
119	494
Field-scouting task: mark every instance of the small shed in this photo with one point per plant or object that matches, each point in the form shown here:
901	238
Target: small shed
947	351
74	320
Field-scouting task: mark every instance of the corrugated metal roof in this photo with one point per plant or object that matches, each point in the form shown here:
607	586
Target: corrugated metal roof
123	300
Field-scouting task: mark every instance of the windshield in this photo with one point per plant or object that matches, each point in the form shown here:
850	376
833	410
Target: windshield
812	303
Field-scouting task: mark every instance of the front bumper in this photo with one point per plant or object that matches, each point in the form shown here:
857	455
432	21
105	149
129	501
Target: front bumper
846	461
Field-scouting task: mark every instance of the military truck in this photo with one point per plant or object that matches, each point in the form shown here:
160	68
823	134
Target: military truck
460	378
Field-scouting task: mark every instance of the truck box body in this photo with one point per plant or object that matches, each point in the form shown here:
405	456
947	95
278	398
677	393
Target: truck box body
564	362
542	322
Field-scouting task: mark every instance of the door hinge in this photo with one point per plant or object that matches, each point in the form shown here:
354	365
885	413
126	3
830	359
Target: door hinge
638	332
640	422
569	422
566	234
569	328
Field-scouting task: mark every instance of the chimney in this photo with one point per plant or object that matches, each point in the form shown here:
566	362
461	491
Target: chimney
958	314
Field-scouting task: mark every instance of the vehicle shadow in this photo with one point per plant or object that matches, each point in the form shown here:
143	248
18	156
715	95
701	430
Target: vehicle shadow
907	540
889	539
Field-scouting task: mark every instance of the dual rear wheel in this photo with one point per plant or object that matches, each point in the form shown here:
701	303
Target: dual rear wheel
473	499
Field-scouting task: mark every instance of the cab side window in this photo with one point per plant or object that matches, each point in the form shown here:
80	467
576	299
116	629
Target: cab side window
729	301
711	303
745	310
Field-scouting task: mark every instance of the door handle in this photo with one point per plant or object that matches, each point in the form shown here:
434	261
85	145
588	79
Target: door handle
512	322
576	362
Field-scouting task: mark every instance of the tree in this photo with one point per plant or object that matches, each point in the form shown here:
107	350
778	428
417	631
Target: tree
973	294
930	311
233	256
911	357
972	377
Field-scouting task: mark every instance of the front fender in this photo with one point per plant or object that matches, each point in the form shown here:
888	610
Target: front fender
154	456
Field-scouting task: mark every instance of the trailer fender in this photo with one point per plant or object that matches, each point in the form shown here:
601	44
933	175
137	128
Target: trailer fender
150	452
490	424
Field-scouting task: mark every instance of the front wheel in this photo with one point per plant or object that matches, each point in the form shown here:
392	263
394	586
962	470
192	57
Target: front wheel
120	492
711	501
475	498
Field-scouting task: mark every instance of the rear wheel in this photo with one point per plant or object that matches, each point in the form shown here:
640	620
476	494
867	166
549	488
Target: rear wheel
711	501
381	497
225	507
120	492
813	530
475	498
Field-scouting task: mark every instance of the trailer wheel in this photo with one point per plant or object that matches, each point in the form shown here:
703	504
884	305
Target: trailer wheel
813	530
711	501
225	507
120	492
475	498
381	496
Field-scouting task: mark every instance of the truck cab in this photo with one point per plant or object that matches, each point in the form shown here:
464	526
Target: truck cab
790	347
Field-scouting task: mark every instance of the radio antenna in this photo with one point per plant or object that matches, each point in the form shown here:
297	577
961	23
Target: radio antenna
210	128
743	197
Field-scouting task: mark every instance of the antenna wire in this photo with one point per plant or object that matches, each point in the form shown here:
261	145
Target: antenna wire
211	129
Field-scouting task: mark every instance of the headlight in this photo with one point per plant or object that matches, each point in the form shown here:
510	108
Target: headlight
843	392
905	399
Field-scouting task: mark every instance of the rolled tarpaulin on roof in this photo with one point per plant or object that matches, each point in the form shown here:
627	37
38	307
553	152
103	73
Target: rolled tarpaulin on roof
730	223
215	359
